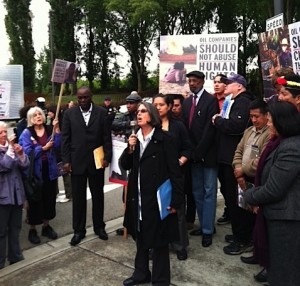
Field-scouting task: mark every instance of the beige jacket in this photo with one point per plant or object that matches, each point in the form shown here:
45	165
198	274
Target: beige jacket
249	168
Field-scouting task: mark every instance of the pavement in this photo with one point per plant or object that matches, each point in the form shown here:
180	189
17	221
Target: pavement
98	262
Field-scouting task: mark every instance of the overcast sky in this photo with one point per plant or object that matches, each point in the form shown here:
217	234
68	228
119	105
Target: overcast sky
40	21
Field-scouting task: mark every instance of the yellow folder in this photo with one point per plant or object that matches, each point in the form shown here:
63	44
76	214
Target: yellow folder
98	157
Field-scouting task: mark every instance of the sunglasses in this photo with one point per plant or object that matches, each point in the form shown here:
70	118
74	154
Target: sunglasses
141	111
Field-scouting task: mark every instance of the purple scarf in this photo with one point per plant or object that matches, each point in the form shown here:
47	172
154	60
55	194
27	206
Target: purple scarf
260	237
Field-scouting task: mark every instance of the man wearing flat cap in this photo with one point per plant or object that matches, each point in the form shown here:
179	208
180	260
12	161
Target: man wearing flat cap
197	111
231	127
121	125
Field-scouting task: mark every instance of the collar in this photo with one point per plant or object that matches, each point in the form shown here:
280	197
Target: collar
262	130
89	111
199	93
141	138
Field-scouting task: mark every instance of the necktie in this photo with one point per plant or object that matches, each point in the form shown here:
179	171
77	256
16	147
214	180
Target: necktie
192	111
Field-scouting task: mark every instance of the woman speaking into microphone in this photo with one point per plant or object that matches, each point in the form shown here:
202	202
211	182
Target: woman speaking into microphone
151	157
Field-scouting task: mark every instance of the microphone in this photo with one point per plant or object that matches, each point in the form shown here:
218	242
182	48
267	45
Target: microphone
133	124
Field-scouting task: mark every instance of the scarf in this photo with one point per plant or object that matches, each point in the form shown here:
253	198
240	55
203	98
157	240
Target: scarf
270	147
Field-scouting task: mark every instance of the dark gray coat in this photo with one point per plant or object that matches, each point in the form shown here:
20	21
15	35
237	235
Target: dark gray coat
279	192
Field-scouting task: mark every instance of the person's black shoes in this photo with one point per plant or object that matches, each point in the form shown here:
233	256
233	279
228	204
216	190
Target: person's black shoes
249	260
120	231
262	276
49	232
33	237
181	254
224	219
229	238
102	234
131	281
198	232
77	237
206	240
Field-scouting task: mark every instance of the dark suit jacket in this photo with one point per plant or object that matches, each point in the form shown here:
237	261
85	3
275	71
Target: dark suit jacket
79	140
202	132
158	163
279	193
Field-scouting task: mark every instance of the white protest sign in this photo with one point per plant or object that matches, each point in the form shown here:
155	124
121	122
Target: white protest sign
209	53
275	22
217	54
294	32
5	89
64	72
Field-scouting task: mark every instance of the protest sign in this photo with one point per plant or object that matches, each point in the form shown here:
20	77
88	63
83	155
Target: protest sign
275	53
274	22
294	31
64	72
5	89
116	173
181	54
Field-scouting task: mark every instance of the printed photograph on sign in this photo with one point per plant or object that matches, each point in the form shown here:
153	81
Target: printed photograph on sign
64	72
275	54
178	56
209	53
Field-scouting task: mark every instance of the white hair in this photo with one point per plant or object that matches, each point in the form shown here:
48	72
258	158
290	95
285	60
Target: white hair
31	112
3	124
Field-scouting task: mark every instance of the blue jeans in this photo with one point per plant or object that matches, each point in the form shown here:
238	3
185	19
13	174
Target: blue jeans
204	183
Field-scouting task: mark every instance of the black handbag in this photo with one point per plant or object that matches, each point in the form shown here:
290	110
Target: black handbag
32	184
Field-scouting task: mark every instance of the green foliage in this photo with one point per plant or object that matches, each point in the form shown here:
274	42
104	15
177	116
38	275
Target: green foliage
135	25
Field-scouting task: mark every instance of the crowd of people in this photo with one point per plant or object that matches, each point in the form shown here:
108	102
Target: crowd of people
251	147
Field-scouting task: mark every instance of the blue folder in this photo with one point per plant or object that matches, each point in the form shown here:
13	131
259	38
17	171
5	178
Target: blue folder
164	195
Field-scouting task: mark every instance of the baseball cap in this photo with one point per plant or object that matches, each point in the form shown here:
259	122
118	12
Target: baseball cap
133	97
197	74
236	78
107	98
40	99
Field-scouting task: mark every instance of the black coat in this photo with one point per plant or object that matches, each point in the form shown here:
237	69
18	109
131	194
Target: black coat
202	132
79	140
158	163
231	130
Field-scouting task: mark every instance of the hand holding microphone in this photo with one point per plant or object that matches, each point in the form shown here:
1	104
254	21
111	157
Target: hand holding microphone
133	125
132	140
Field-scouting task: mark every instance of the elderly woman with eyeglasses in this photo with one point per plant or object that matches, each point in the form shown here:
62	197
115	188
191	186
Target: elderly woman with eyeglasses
12	196
42	139
152	158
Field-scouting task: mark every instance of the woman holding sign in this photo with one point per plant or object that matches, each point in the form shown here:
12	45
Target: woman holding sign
151	158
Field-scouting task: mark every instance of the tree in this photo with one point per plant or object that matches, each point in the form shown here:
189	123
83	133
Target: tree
135	33
63	17
96	52
19	29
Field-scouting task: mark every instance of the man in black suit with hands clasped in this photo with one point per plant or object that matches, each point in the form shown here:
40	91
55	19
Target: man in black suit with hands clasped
198	110
84	129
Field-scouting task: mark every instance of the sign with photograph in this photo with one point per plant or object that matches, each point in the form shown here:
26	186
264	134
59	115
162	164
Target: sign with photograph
116	173
64	72
275	53
181	54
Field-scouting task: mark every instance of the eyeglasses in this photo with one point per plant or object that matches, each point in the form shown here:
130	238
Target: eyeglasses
141	111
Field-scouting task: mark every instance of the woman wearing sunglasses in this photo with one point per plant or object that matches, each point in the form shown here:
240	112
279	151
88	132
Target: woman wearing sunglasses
151	157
